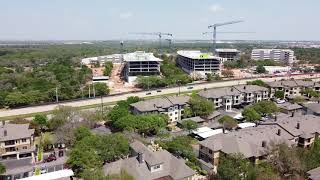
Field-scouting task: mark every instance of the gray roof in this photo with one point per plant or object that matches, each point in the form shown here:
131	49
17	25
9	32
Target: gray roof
219	92
289	106
251	88
101	130
293	83
16	166
314	107
247	141
214	114
196	119
148	155
158	104
15	131
314	174
172	167
231	91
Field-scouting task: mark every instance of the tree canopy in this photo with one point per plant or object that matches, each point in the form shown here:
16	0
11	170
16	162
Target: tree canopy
250	114
265	107
228	122
200	106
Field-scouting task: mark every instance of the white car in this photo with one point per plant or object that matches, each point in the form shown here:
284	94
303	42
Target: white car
280	101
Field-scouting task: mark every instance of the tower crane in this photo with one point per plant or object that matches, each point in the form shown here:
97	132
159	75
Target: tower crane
169	41
159	34
214	33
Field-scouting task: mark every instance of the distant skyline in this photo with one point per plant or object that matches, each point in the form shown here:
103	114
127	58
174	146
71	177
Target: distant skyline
185	19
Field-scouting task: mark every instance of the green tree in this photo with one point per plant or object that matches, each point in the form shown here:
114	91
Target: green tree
200	106
257	82
265	107
122	176
107	68
101	89
93	174
189	125
235	167
82	132
260	69
251	115
228	122
2	168
279	94
40	120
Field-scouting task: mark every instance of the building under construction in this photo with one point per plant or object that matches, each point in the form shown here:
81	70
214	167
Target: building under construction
198	64
228	54
140	63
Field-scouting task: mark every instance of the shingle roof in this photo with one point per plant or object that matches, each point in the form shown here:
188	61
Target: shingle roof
250	88
314	174
15	131
293	83
172	167
158	104
196	119
314	107
247	141
289	106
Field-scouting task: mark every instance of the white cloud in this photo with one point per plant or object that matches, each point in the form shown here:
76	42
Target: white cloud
215	8
125	15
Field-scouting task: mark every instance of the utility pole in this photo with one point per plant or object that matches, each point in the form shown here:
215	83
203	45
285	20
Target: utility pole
101	105
89	92
57	97
94	91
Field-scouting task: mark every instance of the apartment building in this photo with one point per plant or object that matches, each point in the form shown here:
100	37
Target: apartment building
284	55
173	106
292	88
140	63
148	163
198	64
229	97
254	142
228	54
16	141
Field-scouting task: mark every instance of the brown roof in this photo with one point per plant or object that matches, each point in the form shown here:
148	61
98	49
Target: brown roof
15	131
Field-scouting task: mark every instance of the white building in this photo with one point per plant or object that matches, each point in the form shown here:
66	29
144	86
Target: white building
277	69
115	58
228	54
198	64
285	55
140	63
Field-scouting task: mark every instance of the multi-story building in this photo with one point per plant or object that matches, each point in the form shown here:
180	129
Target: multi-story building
148	163
173	106
140	63
228	54
229	97
198	64
255	142
284	55
16	141
292	88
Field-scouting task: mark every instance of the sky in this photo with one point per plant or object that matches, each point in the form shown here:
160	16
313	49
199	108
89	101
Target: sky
185	19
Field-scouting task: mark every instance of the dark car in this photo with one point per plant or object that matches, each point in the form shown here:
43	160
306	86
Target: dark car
148	93
159	91
190	87
50	158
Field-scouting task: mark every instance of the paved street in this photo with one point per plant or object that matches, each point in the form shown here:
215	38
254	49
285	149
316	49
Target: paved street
44	108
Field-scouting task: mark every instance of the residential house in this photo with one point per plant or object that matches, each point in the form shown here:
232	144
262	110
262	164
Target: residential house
290	108
254	142
16	141
228	97
173	106
151	164
311	108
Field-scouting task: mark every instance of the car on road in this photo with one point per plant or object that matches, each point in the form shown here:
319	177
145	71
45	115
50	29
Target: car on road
190	87
148	93
159	90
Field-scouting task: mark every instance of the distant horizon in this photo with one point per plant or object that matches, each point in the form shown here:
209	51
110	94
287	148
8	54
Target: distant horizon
285	20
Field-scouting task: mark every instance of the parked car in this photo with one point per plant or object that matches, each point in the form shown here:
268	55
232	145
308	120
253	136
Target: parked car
280	101
50	158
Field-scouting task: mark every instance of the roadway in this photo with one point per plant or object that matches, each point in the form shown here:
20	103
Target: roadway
115	98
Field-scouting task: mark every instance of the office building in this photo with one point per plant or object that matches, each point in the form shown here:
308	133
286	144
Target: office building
198	64
228	97
283	55
173	106
228	54
140	63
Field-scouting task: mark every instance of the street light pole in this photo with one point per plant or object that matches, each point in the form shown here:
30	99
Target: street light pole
57	97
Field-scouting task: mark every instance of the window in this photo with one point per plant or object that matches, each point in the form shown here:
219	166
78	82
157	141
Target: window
25	147
176	112
156	167
210	151
170	114
24	140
